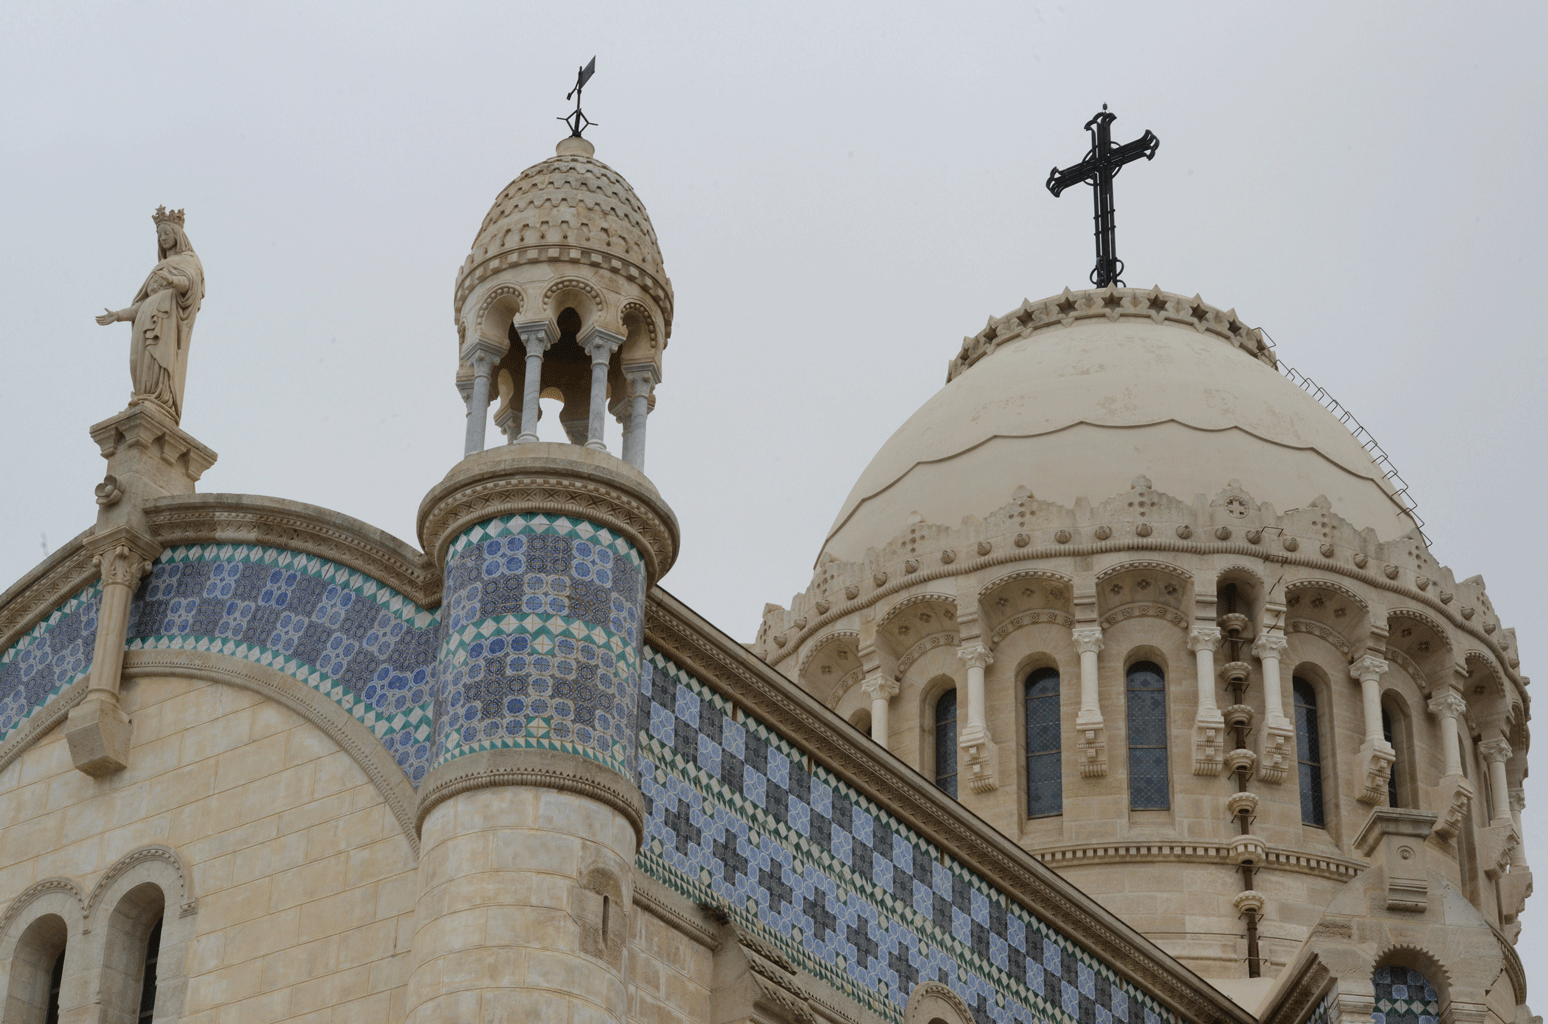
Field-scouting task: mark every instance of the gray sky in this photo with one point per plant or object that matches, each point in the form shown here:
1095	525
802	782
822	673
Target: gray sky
841	192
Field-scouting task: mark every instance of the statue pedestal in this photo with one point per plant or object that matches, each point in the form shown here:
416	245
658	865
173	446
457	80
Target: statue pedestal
148	456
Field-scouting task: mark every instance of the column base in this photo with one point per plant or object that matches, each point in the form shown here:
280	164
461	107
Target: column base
1278	749
980	760
98	733
1375	768
1091	747
1208	743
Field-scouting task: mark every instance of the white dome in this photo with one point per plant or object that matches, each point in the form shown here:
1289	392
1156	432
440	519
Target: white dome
1075	396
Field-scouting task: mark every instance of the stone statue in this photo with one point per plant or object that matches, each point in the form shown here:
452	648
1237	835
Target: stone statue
163	317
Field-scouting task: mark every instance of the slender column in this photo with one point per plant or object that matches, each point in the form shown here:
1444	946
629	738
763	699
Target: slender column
642	377
977	658
481	354
1269	648
1209	723
1090	731
882	690
600	346
1203	642
1517	797
1277	736
1088	642
97	730
536	337
1495	753
1369	671
1376	754
1448	706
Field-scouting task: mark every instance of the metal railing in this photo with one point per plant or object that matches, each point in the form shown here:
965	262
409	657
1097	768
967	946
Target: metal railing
1355	427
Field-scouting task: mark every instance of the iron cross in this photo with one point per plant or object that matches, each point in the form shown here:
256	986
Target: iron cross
1102	163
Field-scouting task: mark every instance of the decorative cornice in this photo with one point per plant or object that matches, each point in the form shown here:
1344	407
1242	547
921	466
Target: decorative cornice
921	648
547	769
740	677
32	598
675	911
1315	583
1178	851
1144	565
557	479
1111	304
275	522
352	736
1143	609
1311	627
1030	618
1155	544
1023	574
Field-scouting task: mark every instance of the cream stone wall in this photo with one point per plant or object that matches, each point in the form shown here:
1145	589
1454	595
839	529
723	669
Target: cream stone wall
669	973
304	881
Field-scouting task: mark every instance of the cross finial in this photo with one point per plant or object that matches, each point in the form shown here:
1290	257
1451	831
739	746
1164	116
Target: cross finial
578	121
1102	163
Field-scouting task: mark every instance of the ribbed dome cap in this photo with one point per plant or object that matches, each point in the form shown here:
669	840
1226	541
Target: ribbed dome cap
571	200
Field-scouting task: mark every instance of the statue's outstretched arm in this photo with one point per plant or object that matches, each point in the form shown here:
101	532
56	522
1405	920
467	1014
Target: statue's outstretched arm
114	316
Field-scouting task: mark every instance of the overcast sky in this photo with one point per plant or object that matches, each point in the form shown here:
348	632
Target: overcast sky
841	192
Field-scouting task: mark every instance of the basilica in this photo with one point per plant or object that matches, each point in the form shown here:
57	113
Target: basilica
1125	690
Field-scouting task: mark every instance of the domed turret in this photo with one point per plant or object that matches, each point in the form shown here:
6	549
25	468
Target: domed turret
564	296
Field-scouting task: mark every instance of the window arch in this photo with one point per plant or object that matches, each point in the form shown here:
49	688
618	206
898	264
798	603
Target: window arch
1403	996
1308	747
132	953
946	742
37	972
1392	775
1045	786
1149	782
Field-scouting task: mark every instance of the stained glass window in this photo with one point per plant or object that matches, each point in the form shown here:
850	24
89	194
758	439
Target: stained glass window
1392	776
1404	996
1045	787
1149	786
946	742
1308	746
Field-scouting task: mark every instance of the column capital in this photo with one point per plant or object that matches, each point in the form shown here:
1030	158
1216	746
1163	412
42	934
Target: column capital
1270	645
975	655
1447	705
881	688
1517	796
1368	668
1204	638
483	351
642	376
1497	749
537	336
599	343
1088	640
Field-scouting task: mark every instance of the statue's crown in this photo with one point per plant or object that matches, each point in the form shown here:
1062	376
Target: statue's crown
163	215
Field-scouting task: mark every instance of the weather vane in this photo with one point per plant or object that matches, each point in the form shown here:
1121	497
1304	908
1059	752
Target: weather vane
578	121
1102	163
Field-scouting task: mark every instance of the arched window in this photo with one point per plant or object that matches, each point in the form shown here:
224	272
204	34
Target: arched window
1308	746
129	966
1392	776
946	742
148	980
1149	785
1045	787
37	970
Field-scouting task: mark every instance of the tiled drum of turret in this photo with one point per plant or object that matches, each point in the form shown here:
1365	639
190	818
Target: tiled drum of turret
542	640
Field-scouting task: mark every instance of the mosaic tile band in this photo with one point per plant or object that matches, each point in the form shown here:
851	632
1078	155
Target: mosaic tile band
48	657
356	641
736	816
541	648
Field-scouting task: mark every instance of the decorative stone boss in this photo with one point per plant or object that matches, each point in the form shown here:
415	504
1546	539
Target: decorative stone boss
163	313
